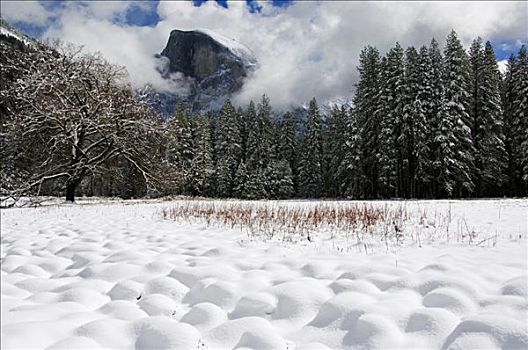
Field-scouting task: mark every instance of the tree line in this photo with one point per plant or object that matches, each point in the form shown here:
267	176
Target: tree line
426	123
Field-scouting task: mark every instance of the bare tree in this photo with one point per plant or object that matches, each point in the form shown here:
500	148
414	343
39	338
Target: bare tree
73	115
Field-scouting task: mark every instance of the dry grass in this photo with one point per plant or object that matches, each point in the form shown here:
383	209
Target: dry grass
293	223
343	224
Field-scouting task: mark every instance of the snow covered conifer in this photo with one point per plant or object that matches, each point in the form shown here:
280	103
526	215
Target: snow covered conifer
487	127
349	171
228	149
241	182
310	170
366	104
202	167
520	108
424	115
180	145
333	150
289	145
390	113
437	90
455	148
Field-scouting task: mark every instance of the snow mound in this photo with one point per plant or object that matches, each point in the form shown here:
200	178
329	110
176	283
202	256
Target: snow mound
126	290
114	276
162	333
81	343
204	316
158	304
495	330
167	286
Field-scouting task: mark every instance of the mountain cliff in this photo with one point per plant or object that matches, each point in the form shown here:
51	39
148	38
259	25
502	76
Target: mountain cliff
214	66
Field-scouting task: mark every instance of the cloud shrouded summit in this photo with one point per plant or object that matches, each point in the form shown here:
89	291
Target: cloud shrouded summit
306	49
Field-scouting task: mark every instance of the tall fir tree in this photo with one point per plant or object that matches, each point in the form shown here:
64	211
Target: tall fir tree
180	146
390	114
333	145
520	109
289	146
202	167
241	182
455	147
476	59
424	117
349	171
512	171
411	120
487	117
310	166
228	149
437	101
252	134
366	105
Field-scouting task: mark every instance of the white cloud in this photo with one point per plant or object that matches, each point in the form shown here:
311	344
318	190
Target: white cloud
28	11
307	49
503	66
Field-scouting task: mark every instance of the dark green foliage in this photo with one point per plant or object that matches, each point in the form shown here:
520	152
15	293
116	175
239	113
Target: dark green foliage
228	150
310	165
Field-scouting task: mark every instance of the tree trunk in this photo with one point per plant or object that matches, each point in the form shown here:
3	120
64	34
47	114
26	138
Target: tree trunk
70	191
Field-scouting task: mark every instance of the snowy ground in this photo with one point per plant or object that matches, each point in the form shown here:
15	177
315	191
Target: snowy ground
115	275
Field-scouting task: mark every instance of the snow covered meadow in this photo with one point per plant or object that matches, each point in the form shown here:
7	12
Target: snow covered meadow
225	275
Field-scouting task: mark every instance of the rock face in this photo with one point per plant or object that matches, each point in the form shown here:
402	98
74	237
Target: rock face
215	66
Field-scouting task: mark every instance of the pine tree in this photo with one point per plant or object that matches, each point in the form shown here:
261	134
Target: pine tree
252	135
390	114
407	139
334	139
289	145
279	179
476	53
261	143
488	137
366	102
202	168
424	113
180	146
256	186
310	170
437	100
349	171
512	170
284	187
228	149
241	182
520	109
264	146
455	151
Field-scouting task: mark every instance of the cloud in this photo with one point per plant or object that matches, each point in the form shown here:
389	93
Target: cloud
503	66
311	48
28	11
306	49
93	26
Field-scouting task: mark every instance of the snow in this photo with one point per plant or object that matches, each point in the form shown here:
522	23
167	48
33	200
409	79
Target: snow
111	274
243	52
7	32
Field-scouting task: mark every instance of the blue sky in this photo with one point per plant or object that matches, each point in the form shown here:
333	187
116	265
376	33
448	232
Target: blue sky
146	15
303	48
140	16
